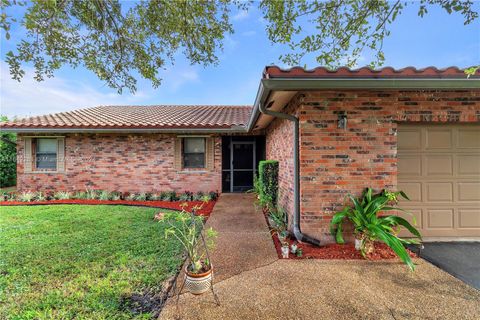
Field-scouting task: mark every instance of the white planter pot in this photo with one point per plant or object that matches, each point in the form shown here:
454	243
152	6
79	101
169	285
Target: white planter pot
198	283
285	250
358	244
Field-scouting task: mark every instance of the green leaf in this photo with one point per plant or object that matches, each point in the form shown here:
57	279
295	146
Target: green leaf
394	243
396	220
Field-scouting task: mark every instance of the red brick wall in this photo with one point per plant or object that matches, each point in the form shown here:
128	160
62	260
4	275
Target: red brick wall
121	162
279	146
334	162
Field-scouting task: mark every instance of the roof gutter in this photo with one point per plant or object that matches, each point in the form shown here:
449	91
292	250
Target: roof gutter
304	84
234	129
297	232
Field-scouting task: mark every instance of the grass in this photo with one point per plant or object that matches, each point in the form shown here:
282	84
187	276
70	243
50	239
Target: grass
82	262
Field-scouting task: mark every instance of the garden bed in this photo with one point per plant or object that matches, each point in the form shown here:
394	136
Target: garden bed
337	251
205	207
333	251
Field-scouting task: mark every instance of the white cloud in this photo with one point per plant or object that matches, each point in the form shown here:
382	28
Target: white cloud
29	97
174	79
249	33
241	15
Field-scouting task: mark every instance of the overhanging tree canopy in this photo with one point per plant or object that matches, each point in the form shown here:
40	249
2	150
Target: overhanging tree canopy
121	41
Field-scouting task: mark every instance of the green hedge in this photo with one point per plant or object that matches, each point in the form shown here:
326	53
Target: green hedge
8	158
268	180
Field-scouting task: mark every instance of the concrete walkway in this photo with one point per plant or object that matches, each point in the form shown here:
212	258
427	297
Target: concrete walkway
244	241
252	283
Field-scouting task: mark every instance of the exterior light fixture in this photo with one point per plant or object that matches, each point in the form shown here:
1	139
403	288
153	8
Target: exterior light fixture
342	120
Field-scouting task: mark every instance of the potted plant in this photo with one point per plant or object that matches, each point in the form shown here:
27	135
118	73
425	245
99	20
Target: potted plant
188	229
369	226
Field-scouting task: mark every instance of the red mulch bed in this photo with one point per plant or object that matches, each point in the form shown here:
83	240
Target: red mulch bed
336	251
206	208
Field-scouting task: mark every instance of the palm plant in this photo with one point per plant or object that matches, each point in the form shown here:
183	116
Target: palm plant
186	228
369	226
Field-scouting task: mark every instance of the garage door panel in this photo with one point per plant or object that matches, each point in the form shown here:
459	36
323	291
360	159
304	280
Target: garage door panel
410	165
412	140
414	216
439	165
468	138
469	164
440	218
469	218
469	191
439	168
439	191
412	189
439	139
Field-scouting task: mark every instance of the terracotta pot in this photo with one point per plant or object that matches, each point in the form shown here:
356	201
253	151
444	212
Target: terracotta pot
198	283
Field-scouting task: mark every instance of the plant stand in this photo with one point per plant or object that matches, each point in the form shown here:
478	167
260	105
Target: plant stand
178	292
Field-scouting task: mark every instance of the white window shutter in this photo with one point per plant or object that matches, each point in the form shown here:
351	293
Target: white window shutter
27	155
61	154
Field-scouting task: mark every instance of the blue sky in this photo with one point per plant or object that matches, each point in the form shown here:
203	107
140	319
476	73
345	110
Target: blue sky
438	39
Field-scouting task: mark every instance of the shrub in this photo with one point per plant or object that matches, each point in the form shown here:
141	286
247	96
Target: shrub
131	197
149	196
115	196
8	196
169	196
268	181
91	194
40	196
104	195
62	195
186	196
141	197
199	196
81	195
26	196
213	195
8	158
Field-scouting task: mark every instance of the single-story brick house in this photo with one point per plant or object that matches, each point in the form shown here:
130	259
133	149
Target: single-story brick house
412	129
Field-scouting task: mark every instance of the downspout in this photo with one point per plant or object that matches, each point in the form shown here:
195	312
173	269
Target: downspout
297	232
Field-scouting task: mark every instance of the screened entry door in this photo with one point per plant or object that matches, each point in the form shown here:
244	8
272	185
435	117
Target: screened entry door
242	165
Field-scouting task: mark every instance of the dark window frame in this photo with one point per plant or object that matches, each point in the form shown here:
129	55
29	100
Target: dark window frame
186	165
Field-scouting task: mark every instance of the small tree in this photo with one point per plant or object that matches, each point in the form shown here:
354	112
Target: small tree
8	158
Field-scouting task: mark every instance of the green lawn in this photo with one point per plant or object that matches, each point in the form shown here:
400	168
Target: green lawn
82	262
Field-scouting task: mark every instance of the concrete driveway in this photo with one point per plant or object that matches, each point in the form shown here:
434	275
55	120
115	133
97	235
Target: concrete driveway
337	290
460	259
252	283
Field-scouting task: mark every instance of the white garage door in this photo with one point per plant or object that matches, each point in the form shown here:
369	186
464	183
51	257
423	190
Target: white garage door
439	169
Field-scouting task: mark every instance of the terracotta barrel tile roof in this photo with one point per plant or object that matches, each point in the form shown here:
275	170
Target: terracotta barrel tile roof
143	117
365	72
